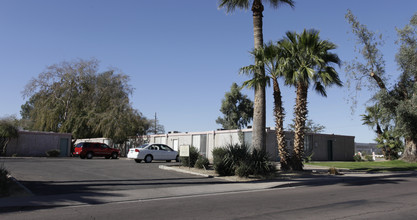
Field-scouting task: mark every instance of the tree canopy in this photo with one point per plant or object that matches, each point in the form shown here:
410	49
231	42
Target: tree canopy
236	108
397	103
74	97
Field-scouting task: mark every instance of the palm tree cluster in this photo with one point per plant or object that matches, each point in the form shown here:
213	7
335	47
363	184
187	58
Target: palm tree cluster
259	112
300	60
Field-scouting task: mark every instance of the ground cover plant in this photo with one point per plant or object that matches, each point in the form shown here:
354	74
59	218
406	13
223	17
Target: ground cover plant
368	166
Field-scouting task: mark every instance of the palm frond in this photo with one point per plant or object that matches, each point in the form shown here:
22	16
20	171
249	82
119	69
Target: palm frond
231	5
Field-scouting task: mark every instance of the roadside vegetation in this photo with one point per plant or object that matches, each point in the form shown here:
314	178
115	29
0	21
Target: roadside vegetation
371	166
238	159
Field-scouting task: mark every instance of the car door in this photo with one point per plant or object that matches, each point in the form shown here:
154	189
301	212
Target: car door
105	150
98	149
156	153
167	152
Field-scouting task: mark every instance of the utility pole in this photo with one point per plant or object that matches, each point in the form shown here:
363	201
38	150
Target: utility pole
155	123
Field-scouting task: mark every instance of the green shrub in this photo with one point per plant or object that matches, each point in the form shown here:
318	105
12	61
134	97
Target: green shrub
260	164
4	182
357	158
235	154
192	159
219	163
53	153
224	170
202	162
218	155
307	159
369	158
244	169
237	159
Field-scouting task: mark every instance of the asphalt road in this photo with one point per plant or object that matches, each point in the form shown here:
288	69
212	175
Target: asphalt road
393	197
51	176
121	189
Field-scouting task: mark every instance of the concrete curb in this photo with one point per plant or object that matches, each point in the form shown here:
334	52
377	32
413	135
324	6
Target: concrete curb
163	167
20	185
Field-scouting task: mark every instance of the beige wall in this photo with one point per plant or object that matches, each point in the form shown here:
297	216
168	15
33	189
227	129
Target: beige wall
343	146
37	143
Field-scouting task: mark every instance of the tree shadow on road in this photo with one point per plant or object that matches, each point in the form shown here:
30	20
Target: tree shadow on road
50	194
354	180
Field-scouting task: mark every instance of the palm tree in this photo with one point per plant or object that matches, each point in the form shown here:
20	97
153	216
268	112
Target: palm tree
388	140
268	57
374	118
309	61
259	115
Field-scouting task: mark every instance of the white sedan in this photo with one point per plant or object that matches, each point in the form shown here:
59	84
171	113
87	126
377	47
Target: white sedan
149	152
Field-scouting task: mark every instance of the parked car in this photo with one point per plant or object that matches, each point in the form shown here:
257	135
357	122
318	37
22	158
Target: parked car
89	150
149	152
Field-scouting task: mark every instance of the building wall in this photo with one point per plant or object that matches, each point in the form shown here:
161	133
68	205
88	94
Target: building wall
37	143
340	147
368	148
317	145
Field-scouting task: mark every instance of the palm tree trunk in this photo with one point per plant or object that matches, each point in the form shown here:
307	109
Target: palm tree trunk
259	113
300	121
279	127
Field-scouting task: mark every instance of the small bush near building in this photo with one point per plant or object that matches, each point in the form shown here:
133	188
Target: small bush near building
192	159
4	182
369	158
261	165
218	155
244	170
202	162
53	153
357	157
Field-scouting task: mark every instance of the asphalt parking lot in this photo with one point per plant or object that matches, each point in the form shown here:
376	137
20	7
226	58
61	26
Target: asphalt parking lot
50	176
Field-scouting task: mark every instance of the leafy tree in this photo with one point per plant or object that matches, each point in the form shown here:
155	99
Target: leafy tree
308	60
269	57
398	103
8	130
311	127
236	108
259	120
74	97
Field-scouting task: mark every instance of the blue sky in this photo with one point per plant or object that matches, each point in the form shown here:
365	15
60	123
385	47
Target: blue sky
182	56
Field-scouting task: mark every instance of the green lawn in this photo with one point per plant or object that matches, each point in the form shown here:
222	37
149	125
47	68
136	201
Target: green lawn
396	165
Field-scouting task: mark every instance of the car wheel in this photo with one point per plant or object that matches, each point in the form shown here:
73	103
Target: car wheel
168	161
177	159
89	155
114	155
148	158
138	160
